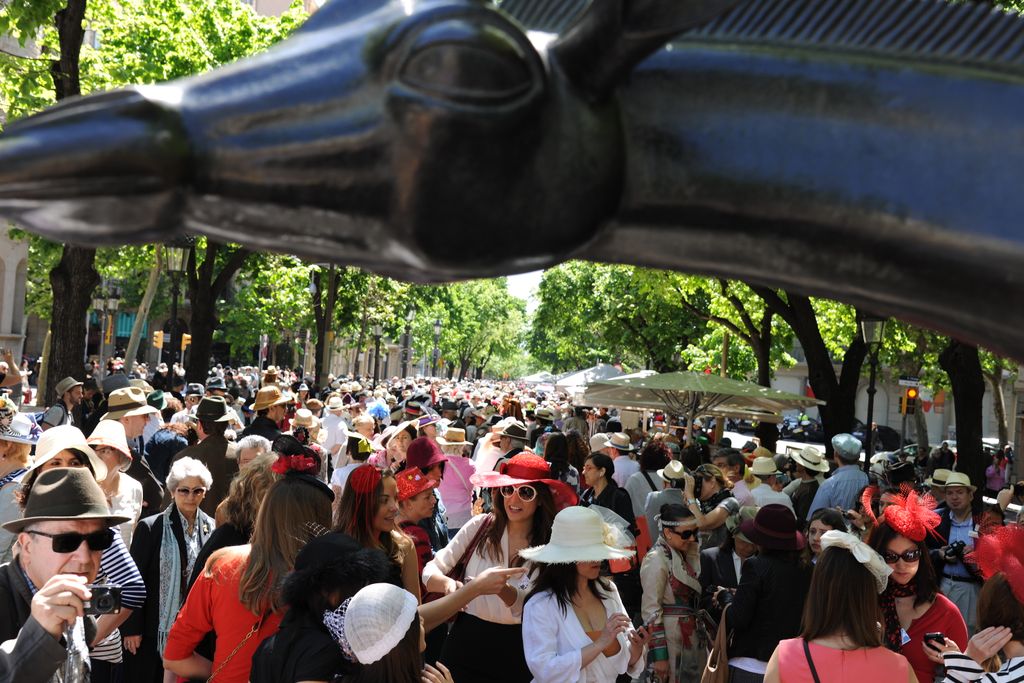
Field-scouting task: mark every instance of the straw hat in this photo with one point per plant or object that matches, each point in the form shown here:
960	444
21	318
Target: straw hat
673	470
335	404
66	437
578	535
938	478
810	459
764	467
128	402
959	479
620	441
111	433
65	493
453	436
268	396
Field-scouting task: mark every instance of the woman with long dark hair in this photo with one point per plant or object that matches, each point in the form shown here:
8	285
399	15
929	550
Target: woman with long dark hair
525	500
368	512
556	452
911	604
840	635
575	627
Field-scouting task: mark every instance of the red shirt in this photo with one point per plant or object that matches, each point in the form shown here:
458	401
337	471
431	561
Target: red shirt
943	616
212	605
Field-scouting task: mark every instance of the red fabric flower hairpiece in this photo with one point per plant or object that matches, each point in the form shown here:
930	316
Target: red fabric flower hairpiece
910	514
364	479
1002	550
302	464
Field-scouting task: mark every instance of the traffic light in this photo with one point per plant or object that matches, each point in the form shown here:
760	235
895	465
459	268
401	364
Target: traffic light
186	339
908	401
158	339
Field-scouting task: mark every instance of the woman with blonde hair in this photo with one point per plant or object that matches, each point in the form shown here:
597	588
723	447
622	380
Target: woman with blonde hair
708	495
238	594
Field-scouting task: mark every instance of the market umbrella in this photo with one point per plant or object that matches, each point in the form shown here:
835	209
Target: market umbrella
694	394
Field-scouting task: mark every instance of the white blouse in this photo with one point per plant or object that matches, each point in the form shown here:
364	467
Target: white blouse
553	641
487	607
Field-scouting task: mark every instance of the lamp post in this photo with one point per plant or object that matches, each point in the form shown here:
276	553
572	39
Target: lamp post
377	332
437	352
177	261
99	304
410	315
872	329
113	300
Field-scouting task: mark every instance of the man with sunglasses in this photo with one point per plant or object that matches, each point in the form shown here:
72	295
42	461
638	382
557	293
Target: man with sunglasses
44	590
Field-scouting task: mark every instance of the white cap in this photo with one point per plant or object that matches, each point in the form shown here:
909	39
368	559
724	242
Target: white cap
377	619
599	442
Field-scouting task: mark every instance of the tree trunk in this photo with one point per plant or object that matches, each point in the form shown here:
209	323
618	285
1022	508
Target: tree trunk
74	278
323	311
464	365
41	379
360	355
995	380
921	429
205	287
960	361
147	301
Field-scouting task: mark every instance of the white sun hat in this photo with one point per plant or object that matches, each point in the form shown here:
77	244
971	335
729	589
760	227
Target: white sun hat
579	534
377	619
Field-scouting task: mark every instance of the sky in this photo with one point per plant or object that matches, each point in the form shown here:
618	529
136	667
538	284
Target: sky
524	286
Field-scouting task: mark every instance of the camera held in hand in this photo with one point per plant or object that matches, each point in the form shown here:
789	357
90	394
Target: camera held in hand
955	551
106	599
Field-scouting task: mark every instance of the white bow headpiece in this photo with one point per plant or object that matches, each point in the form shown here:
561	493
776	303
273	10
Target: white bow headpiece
861	552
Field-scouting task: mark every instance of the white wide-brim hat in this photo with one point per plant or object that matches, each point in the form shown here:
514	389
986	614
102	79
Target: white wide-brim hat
66	437
578	535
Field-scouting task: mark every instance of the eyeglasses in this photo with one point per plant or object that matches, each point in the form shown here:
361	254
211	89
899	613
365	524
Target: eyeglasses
906	556
525	492
69	542
198	491
685	535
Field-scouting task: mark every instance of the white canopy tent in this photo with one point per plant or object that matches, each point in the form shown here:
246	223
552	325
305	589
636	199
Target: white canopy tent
577	381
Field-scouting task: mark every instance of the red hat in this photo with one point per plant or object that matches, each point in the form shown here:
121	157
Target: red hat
527	468
412	482
424	452
910	514
1002	550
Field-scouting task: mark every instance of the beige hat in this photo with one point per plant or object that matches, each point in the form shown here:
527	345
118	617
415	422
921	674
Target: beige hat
269	396
335	403
959	479
810	459
764	467
599	442
66	437
577	535
304	417
674	470
66	385
128	402
938	478
142	384
761	452
111	433
453	436
621	442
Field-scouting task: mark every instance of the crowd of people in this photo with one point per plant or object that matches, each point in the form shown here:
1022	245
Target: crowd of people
260	528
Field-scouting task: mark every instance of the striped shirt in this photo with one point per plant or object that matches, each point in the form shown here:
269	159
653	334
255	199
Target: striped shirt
962	669
118	568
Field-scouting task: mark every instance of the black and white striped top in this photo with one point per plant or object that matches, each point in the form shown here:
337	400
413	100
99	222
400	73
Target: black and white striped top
118	568
962	669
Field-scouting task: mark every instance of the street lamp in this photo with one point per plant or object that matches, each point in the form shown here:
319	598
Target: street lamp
437	352
177	261
377	332
410	315
872	329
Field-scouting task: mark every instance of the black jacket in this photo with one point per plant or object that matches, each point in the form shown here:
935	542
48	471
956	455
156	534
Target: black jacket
934	544
261	426
220	456
768	604
716	569
146	664
36	655
615	499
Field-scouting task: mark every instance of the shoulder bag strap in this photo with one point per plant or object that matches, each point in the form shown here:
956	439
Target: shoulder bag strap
458	572
810	662
649	482
253	631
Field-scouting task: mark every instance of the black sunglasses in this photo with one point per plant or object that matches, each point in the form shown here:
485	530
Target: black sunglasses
906	556
685	535
70	541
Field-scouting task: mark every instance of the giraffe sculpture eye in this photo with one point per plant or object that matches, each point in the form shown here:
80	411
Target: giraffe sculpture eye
467	64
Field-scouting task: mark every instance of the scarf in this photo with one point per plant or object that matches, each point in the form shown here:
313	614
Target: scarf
887	601
171	571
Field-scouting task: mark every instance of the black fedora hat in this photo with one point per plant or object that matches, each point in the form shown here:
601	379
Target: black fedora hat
774	527
213	409
65	493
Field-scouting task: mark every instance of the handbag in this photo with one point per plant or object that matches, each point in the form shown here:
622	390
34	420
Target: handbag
458	572
810	662
716	670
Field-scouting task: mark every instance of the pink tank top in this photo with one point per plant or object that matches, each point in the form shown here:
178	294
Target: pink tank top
840	666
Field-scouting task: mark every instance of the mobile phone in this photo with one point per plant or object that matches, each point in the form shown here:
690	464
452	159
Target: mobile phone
935	637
